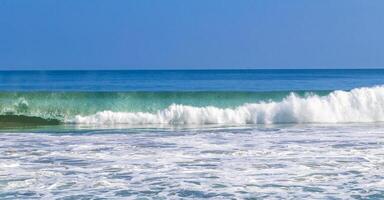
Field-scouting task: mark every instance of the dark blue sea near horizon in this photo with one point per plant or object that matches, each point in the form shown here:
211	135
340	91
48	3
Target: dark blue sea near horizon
192	134
190	80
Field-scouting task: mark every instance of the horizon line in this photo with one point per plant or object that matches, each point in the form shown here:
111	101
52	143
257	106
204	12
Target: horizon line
178	69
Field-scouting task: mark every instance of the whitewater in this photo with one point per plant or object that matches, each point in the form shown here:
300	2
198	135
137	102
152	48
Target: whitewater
358	105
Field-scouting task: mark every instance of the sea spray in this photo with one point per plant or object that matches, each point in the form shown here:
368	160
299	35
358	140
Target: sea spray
140	108
357	105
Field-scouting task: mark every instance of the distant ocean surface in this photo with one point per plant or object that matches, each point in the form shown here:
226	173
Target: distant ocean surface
179	134
191	80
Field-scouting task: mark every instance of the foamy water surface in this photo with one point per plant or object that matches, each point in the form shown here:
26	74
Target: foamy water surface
341	161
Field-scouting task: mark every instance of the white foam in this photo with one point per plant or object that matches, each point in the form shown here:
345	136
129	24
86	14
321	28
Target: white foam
282	162
357	105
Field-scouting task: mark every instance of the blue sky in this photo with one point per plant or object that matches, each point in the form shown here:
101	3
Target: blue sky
154	34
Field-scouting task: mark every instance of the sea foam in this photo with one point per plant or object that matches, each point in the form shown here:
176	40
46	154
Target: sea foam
357	105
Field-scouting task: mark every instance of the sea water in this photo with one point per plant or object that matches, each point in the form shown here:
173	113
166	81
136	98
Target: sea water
220	134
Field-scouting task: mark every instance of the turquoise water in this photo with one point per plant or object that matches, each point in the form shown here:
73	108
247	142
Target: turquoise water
216	134
66	105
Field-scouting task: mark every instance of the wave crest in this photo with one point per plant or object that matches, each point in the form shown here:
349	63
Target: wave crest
357	105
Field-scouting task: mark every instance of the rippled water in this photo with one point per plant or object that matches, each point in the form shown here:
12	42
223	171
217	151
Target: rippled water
312	162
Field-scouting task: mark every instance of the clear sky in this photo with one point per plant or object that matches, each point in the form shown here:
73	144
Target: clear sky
143	34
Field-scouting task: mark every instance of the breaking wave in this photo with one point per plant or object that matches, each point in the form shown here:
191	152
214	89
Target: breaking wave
193	108
357	105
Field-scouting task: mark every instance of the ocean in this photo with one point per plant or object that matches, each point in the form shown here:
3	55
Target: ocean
192	134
